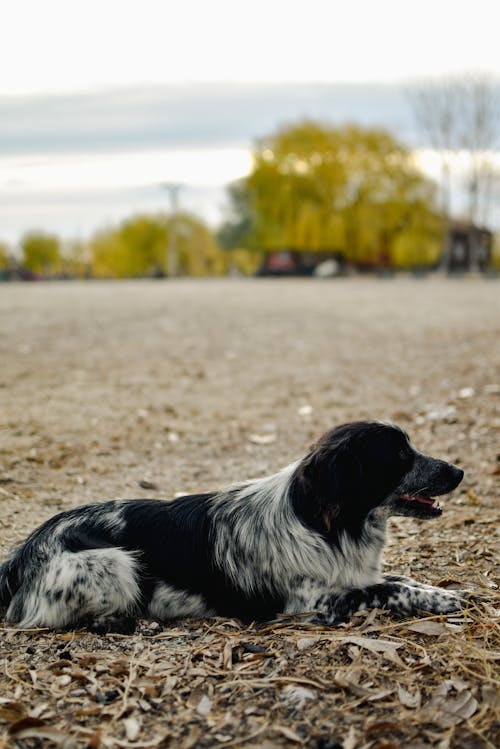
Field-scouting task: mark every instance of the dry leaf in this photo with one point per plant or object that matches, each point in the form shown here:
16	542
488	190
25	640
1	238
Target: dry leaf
25	724
192	738
132	728
94	741
429	627
262	439
227	656
459	708
304	643
449	711
350	741
204	706
386	648
490	696
375	645
408	699
473	497
385	726
296	696
145	484
288	734
12	711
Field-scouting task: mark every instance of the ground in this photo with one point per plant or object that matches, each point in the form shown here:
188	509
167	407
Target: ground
150	388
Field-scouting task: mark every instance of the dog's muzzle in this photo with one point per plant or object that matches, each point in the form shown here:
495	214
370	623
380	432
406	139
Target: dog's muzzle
428	478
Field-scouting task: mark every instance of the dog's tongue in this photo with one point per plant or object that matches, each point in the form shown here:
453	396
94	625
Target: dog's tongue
418	498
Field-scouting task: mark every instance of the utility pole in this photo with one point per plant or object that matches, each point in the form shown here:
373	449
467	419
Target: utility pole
172	254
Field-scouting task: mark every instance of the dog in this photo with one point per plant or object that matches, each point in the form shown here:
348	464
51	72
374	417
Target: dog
306	539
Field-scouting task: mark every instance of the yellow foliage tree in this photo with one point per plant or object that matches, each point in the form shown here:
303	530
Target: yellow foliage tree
198	252
41	252
135	248
350	189
139	247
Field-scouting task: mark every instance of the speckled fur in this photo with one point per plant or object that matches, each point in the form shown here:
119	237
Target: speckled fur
309	538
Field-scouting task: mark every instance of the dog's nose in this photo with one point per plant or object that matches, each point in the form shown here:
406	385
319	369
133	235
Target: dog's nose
458	475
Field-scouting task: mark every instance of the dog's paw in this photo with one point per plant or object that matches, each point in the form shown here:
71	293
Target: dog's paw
444	602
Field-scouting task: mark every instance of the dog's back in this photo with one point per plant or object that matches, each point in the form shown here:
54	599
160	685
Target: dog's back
113	559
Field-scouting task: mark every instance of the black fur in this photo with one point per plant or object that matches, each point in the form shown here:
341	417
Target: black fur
309	538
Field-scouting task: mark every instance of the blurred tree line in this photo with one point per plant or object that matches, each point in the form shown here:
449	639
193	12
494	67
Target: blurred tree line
136	248
350	190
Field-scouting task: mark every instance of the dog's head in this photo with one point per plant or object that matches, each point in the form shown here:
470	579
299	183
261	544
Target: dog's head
358	467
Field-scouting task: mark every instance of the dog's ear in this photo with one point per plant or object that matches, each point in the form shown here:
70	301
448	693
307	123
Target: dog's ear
326	484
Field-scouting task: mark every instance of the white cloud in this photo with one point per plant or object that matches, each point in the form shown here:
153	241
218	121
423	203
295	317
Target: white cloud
194	166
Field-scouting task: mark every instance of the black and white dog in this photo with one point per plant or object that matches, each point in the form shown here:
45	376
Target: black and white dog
307	539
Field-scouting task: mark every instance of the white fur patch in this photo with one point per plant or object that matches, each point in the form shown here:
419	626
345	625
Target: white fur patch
77	584
171	603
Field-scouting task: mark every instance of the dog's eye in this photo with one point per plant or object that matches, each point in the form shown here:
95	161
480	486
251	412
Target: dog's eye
404	454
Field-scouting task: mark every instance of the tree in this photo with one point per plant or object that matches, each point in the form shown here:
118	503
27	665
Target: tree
437	106
480	134
76	260
41	252
4	256
462	114
238	230
198	251
138	247
316	187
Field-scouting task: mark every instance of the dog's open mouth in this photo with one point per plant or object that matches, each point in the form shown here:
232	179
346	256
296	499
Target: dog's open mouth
419	505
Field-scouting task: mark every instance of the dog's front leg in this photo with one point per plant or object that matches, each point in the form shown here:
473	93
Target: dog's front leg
408	581
402	599
460	592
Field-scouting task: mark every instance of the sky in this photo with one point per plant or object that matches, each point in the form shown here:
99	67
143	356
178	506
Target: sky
58	45
103	102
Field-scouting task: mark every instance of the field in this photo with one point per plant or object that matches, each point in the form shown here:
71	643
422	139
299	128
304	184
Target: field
153	389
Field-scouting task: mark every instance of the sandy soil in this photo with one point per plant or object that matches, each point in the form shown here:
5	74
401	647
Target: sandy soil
107	388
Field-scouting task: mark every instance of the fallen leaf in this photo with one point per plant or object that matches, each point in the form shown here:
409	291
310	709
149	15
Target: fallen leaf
223	737
288	734
145	484
33	725
192	738
262	439
12	711
304	643
449	711
94	741
382	725
428	627
387	648
408	699
350	741
473	498
490	696
463	706
297	696
204	706
132	728
227	655
373	644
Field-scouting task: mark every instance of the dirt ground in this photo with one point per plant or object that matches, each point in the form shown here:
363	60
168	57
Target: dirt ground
152	389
